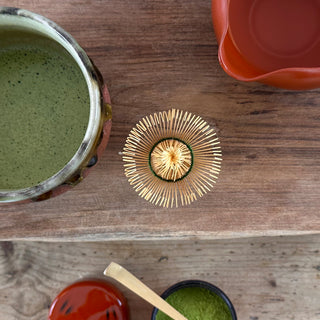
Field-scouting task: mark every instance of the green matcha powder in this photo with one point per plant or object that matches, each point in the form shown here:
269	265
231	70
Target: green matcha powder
197	304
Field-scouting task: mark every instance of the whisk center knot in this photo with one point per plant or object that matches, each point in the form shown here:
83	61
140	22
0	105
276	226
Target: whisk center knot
171	159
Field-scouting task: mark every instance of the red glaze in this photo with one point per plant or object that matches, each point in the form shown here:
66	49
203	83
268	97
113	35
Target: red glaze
89	300
276	42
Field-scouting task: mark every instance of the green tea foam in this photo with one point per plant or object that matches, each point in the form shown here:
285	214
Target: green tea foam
44	106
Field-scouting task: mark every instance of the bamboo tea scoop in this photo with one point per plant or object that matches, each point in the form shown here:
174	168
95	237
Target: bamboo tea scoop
123	276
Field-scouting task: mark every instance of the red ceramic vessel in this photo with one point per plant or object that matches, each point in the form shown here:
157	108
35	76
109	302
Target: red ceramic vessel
89	299
276	42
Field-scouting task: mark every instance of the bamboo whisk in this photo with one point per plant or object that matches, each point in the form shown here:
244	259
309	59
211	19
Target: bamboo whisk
171	157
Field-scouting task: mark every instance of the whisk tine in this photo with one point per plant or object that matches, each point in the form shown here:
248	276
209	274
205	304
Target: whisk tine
171	158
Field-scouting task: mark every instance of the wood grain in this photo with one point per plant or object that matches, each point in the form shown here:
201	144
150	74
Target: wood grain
268	278
155	55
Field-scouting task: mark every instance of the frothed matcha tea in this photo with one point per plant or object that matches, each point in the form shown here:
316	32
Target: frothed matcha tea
44	106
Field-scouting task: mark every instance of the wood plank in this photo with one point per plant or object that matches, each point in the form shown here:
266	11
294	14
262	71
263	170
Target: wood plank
265	278
160	54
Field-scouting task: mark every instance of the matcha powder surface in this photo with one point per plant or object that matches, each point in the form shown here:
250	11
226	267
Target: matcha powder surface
197	304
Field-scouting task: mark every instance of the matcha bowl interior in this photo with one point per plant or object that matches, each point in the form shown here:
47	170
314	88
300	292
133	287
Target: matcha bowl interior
194	297
55	113
276	42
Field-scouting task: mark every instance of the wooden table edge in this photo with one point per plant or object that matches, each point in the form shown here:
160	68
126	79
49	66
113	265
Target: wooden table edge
174	236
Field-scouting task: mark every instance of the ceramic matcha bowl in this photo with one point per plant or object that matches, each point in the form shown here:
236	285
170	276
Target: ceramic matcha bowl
55	113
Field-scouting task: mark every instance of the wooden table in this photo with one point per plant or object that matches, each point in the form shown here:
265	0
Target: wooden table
270	278
155	55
